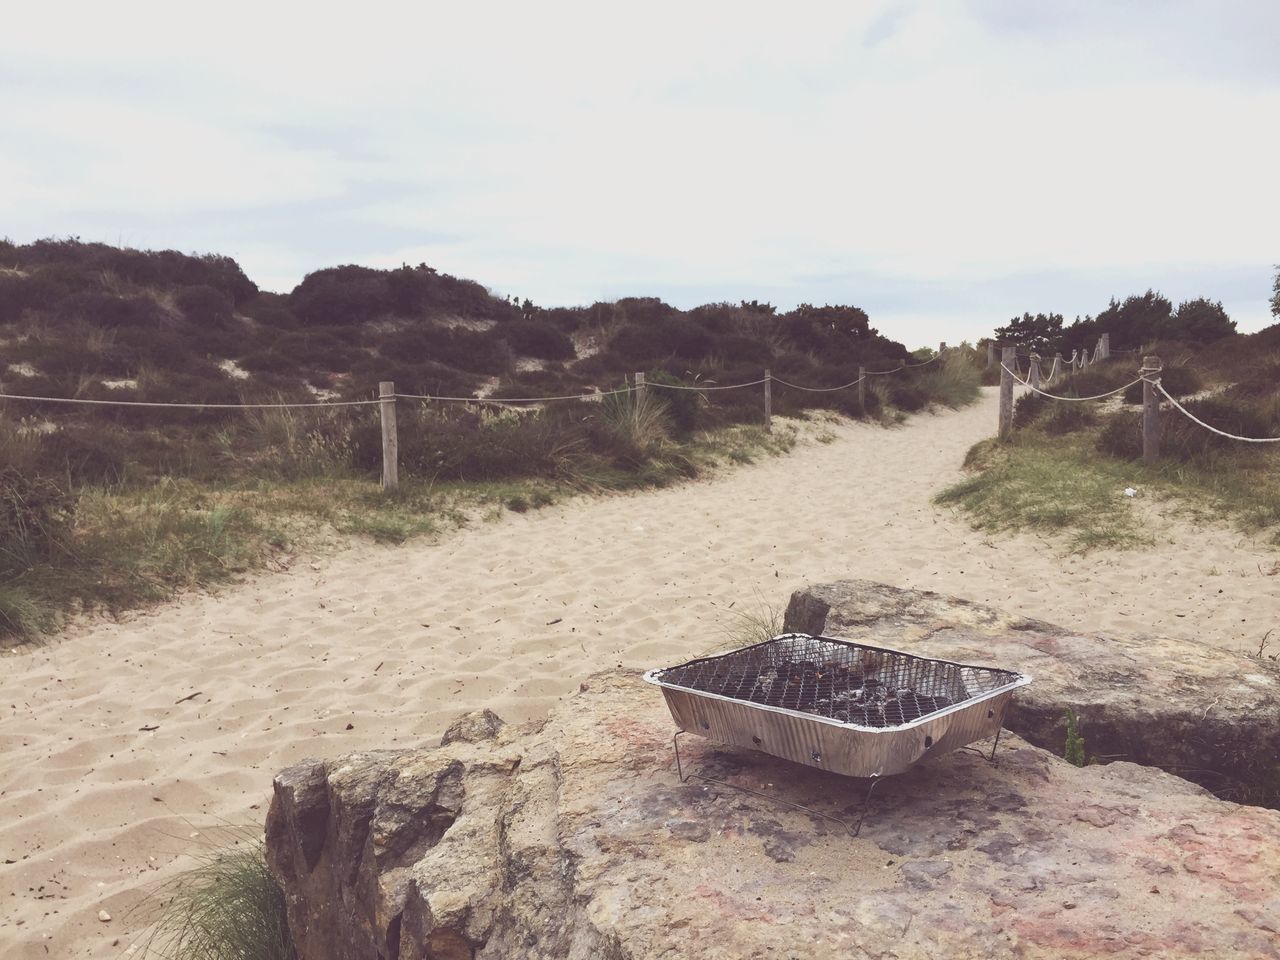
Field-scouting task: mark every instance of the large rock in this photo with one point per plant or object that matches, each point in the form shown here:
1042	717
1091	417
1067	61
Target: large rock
577	840
1207	714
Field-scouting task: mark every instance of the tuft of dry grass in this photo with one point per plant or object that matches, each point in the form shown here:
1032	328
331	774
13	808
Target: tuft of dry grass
228	907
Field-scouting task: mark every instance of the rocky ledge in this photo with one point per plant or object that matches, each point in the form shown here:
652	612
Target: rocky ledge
575	839
1206	714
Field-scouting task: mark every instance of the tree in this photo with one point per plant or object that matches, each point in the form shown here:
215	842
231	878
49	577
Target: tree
1136	321
1201	320
1275	296
1040	333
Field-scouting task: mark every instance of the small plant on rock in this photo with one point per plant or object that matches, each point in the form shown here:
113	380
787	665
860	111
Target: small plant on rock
1074	751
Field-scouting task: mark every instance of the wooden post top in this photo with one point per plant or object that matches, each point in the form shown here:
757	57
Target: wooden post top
1151	364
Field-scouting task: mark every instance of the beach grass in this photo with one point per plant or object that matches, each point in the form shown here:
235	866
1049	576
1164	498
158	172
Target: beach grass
228	907
1068	487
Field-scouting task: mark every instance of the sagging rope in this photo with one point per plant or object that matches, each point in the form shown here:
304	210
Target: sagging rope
192	406
728	386
1191	416
1054	396
885	373
578	396
1155	382
444	399
796	386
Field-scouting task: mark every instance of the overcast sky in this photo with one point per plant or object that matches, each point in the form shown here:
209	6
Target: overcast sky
944	165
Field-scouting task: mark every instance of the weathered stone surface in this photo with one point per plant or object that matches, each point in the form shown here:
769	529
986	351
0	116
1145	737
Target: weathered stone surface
576	840
1210	715
474	727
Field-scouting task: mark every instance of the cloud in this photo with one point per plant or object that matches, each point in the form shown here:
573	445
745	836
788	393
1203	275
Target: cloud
943	164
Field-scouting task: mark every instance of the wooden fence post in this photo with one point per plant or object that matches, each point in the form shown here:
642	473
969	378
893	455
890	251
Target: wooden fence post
1034	379
768	401
1151	367
1007	355
991	354
390	439
862	391
1105	343
639	384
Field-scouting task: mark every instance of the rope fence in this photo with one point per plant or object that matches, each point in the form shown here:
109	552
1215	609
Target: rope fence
387	397
191	406
1194	419
1148	376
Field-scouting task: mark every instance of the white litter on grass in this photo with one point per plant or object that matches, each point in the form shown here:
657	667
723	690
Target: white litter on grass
1130	492
233	370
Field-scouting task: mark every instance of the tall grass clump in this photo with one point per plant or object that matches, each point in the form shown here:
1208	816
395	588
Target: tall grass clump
34	516
20	616
636	422
954	381
227	908
304	443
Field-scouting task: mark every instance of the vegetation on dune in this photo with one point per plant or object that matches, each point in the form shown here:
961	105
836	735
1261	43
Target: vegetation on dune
1130	323
1067	464
114	506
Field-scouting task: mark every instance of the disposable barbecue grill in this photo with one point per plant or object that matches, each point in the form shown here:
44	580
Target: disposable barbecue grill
846	707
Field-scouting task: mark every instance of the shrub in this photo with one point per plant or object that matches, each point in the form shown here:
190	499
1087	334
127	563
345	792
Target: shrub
537	338
432	379
34	513
684	407
908	396
1067	418
470	350
1122	436
658	340
353	294
205	306
1028	409
17	294
541	383
345	295
88	453
736	348
106	310
1095	380
272	310
453	443
1183	440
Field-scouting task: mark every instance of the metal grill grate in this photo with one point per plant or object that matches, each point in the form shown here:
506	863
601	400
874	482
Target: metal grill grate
847	682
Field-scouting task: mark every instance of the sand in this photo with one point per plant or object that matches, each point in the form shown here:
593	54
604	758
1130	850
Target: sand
126	745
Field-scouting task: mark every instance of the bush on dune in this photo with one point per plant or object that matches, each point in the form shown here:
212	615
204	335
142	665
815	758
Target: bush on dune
535	338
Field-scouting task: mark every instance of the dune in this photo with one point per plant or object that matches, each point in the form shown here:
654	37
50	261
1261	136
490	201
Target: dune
128	745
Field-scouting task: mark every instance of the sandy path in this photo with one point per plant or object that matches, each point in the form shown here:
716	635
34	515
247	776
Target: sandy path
510	614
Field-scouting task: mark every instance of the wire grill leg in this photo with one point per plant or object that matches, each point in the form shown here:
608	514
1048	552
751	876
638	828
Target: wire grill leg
995	743
853	829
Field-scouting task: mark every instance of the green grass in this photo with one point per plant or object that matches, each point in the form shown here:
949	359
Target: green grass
1064	485
1056	486
228	908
